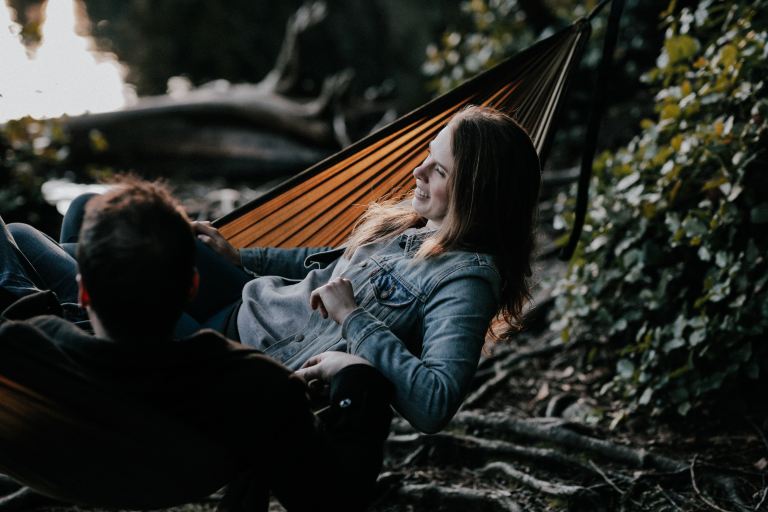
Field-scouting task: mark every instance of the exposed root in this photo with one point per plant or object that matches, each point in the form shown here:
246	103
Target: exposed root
456	498
549	488
554	431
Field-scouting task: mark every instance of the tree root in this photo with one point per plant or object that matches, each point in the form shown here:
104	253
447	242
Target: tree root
499	372
456	498
554	431
485	449
24	499
543	486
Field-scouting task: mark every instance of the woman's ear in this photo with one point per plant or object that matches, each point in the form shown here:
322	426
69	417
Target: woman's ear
195	286
82	293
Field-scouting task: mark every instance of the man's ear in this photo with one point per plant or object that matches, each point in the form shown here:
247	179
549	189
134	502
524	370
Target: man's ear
194	287
82	293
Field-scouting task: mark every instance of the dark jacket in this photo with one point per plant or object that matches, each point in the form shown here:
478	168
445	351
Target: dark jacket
188	415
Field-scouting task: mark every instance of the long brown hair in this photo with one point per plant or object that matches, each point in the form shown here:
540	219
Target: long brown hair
493	191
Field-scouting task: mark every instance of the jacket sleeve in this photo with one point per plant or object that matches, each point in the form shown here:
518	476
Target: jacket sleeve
274	261
430	387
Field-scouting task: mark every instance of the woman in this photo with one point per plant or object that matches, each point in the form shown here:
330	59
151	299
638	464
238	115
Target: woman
415	287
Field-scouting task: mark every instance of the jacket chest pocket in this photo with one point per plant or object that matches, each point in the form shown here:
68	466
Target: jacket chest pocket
393	301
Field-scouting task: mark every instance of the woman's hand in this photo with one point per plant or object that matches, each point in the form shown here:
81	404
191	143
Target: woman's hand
211	237
335	299
324	366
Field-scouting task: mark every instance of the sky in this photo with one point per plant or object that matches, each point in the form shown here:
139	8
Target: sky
64	75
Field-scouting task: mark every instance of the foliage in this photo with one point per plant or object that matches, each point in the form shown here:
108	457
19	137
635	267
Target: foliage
670	281
31	152
498	29
493	30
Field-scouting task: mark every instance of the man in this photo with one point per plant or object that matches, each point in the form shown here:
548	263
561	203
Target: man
246	414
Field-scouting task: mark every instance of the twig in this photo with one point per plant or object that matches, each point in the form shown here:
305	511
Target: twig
698	492
500	378
605	477
24	499
550	488
764	493
408	460
759	431
669	498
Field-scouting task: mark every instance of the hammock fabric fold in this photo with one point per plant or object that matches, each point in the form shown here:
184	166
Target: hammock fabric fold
319	207
68	433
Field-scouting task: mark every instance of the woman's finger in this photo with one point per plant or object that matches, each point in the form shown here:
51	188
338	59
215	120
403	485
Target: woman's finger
308	374
206	228
314	299
312	361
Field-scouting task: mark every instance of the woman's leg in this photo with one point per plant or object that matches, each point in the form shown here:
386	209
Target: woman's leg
54	268
221	284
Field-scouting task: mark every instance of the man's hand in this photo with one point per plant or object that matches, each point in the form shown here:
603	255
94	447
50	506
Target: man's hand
324	366
335	299
211	237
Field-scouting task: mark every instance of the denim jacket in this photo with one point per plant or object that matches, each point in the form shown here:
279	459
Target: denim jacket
420	322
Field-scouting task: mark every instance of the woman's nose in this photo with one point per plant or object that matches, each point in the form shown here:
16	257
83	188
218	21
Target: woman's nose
420	171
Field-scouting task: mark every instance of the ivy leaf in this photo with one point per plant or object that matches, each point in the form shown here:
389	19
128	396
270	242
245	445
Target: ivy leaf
625	368
759	214
680	48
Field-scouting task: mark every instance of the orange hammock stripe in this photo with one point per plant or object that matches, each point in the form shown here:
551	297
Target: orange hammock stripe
319	206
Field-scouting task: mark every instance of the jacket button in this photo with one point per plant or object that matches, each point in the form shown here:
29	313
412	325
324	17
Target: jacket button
300	337
344	403
385	294
364	264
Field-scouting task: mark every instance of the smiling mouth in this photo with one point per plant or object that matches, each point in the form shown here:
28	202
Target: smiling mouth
421	194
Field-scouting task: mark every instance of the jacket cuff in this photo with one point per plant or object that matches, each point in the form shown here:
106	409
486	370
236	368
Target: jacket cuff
358	326
252	260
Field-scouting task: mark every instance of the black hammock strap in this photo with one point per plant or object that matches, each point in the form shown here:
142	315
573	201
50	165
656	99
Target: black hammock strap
593	127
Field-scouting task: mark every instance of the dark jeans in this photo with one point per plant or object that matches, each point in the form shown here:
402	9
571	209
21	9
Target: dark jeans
221	283
30	261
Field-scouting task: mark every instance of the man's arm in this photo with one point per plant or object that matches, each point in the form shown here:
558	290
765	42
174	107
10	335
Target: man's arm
336	468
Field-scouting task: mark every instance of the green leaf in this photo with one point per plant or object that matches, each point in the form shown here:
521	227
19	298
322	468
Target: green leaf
759	214
673	344
680	48
625	368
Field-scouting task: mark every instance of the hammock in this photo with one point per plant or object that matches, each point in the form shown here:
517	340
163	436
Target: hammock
320	206
66	434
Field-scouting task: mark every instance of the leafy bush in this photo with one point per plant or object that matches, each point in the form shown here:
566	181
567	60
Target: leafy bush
670	280
31	151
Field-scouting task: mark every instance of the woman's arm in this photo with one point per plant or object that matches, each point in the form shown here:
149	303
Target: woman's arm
273	261
429	387
261	261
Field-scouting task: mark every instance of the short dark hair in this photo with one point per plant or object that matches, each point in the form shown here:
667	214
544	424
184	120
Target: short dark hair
136	256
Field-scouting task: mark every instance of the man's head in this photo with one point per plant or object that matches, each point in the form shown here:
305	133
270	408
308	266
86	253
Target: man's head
136	256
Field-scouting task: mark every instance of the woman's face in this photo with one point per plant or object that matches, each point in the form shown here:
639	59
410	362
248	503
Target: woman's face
431	197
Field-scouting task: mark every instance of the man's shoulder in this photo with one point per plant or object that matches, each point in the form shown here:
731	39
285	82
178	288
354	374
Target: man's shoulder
217	350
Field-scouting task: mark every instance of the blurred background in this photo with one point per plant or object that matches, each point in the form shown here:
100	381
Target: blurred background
226	99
